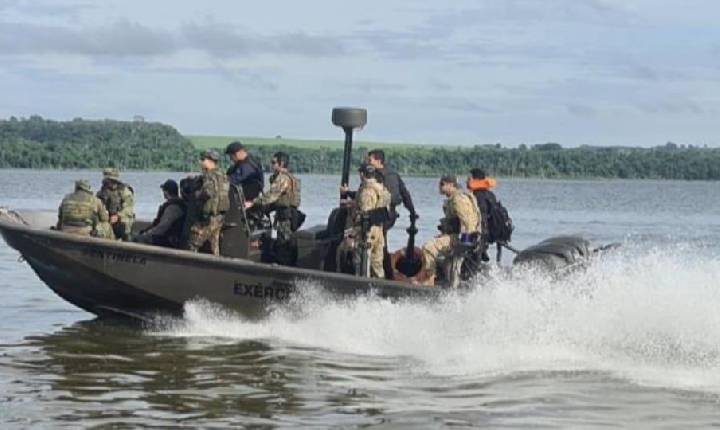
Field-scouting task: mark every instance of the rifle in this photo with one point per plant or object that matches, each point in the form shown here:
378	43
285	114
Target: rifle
363	262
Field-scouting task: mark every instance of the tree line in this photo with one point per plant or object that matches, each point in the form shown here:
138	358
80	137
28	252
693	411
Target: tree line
82	144
39	143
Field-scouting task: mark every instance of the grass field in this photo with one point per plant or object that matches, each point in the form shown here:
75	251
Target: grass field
205	142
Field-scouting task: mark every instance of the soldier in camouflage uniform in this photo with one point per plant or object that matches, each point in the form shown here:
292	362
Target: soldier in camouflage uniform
283	198
462	216
84	214
119	201
210	201
373	204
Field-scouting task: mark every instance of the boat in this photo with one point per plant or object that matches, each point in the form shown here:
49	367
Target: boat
111	278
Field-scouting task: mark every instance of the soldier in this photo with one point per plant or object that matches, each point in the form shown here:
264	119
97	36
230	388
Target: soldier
210	201
167	227
462	216
373	204
283	198
481	187
118	199
399	193
84	214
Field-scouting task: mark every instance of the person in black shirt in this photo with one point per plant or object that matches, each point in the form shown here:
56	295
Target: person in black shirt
479	184
246	171
167	228
399	194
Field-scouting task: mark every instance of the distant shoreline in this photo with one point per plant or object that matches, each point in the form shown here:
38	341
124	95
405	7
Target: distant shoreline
36	142
460	175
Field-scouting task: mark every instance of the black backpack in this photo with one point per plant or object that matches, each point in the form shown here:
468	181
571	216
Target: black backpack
499	223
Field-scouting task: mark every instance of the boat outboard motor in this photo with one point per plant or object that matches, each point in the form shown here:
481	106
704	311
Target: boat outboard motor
555	253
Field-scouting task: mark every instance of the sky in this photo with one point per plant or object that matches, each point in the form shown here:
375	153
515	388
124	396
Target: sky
576	72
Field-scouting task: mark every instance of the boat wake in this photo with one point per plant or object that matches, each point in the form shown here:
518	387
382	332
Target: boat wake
648	316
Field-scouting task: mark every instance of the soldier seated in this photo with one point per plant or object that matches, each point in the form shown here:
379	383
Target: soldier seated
167	227
83	214
118	199
462	218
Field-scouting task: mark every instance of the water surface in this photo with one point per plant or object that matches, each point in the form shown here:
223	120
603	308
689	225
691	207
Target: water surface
632	342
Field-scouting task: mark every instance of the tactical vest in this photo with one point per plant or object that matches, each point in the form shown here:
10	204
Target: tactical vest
290	198
176	229
380	214
111	199
78	210
219	200
452	220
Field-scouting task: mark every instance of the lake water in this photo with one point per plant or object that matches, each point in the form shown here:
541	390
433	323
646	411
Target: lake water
634	341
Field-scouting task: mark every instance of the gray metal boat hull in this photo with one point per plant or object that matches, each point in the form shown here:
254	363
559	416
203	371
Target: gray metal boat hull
117	278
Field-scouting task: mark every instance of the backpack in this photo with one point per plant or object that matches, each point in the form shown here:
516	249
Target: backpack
499	223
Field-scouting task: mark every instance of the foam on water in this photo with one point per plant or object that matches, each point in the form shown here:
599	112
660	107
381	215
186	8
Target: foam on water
649	316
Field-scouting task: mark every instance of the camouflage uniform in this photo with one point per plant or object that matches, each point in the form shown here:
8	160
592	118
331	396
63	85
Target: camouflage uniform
83	214
119	201
207	213
284	193
372	195
458	205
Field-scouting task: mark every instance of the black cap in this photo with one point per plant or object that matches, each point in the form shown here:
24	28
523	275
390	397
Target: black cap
170	186
234	147
477	173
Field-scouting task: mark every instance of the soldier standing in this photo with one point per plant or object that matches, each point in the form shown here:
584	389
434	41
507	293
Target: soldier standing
119	201
462	216
83	214
246	171
210	202
373	204
283	198
399	194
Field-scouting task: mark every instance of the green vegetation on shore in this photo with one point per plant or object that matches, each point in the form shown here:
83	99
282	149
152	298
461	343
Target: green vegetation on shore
82	144
40	143
207	142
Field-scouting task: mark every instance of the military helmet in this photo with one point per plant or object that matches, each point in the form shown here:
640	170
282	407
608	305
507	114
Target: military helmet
82	184
111	173
210	154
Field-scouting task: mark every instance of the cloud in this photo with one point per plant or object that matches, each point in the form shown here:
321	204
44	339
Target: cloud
581	110
53	8
225	40
376	86
123	38
524	12
670	106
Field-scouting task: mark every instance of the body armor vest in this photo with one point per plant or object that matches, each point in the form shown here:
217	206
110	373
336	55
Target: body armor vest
78	209
291	198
